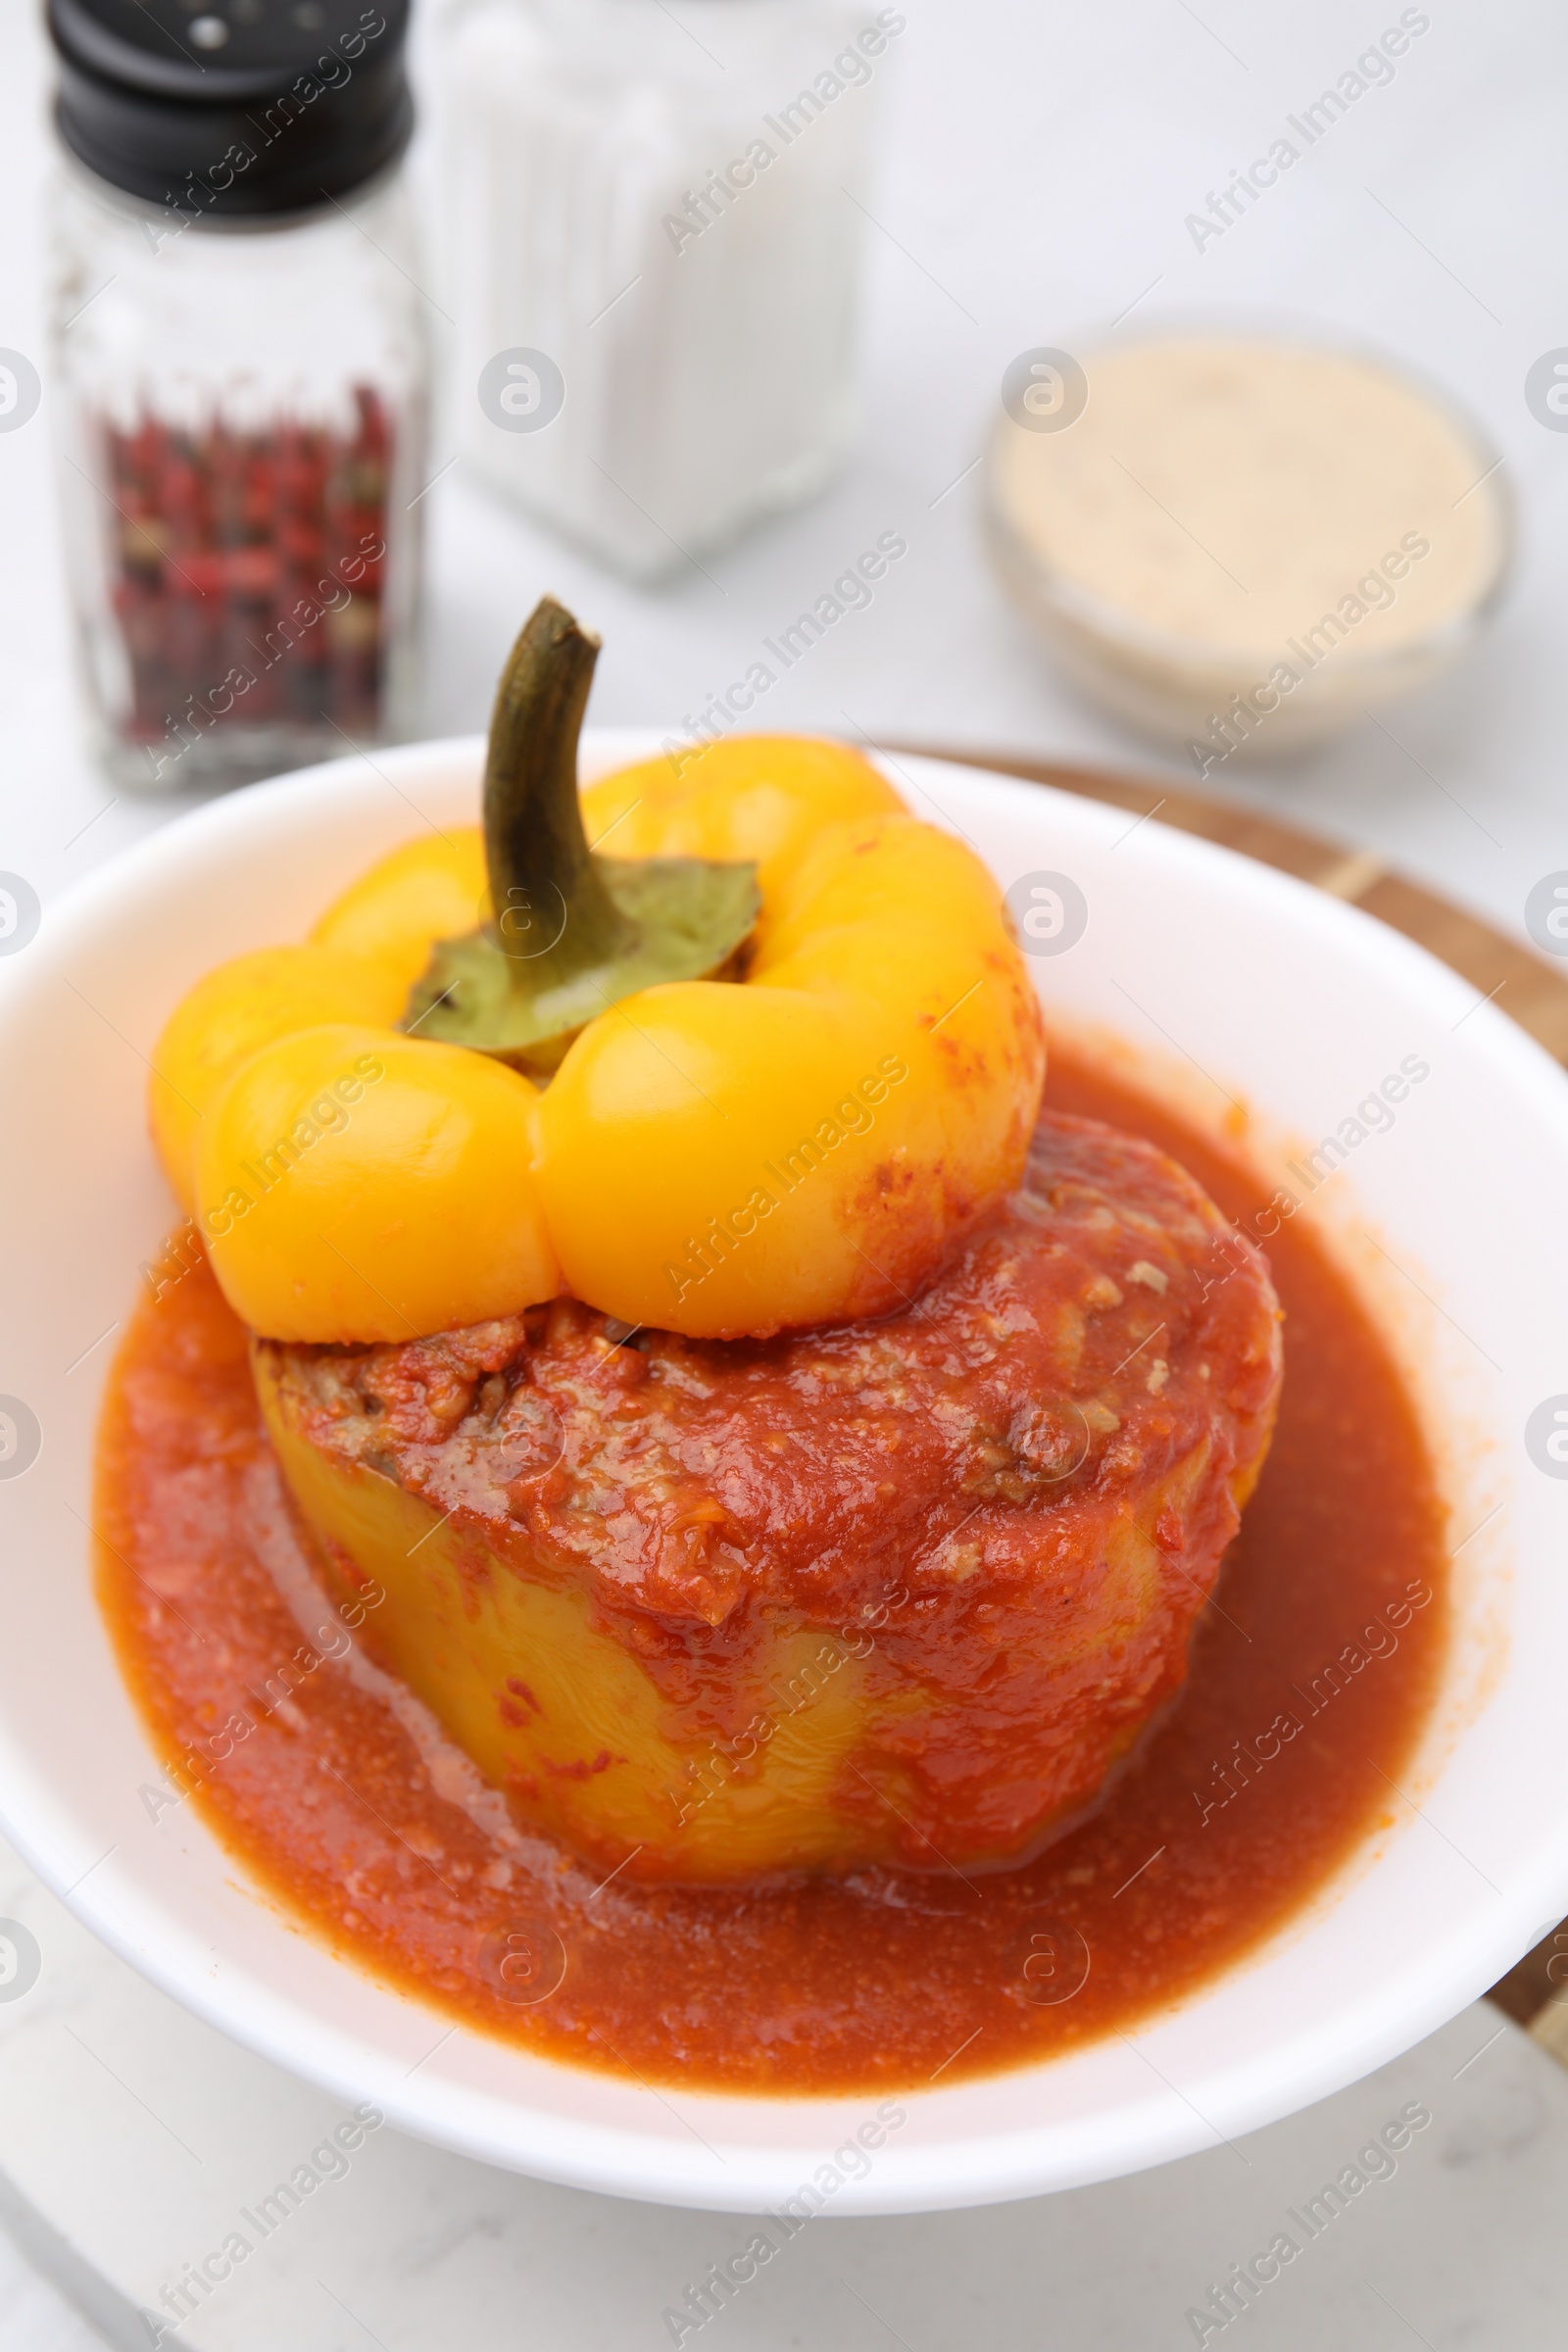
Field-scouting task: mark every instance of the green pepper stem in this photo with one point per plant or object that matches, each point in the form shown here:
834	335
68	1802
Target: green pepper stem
554	917
571	933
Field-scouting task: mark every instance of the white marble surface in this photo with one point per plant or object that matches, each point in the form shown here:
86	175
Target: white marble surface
34	2316
1038	165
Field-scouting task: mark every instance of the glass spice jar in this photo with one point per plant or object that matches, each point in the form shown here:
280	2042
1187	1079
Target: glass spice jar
242	371
654	236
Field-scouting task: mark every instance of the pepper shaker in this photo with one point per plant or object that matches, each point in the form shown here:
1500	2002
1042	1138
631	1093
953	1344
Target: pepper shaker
241	364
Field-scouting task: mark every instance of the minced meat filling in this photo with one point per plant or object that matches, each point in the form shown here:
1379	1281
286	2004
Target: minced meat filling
1097	1327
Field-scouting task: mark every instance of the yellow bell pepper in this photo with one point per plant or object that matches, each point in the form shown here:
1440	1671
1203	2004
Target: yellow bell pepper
459	1619
455	1621
799	1141
357	1182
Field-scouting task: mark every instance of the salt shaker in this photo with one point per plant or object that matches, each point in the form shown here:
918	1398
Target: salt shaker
653	240
241	369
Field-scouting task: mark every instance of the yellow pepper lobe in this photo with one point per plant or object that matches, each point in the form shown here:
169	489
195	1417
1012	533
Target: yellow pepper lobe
235	1011
353	1184
426	890
809	1146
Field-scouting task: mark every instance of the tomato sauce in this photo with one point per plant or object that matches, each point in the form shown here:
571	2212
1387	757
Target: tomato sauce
1312	1674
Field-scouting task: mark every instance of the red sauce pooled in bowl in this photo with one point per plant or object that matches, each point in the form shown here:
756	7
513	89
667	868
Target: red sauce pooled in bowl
1312	1675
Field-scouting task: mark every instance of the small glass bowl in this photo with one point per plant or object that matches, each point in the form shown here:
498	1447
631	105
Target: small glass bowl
1200	696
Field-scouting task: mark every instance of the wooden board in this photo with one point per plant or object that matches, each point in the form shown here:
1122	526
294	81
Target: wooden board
1510	977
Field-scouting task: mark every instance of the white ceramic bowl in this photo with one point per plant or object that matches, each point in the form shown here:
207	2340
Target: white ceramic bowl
1282	998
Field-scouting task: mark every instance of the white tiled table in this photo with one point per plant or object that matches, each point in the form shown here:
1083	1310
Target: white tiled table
1039	165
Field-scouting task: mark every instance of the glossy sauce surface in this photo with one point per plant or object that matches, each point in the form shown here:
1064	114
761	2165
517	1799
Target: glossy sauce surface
1311	1673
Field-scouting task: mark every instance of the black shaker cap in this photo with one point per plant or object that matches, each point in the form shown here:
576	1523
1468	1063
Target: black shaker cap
241	107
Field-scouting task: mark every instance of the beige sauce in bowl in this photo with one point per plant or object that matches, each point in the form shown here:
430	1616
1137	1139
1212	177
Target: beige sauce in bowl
1296	529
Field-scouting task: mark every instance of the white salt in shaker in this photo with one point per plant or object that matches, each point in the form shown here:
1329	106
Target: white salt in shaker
653	242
